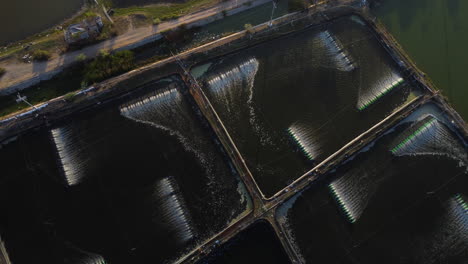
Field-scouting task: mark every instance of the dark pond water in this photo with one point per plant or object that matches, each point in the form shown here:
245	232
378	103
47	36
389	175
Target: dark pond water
140	181
291	102
257	244
434	33
22	18
403	200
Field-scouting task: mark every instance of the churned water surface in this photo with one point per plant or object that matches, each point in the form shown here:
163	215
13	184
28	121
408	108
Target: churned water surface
402	200
291	102
142	180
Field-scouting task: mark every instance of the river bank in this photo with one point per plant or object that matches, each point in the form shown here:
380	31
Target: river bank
28	18
148	50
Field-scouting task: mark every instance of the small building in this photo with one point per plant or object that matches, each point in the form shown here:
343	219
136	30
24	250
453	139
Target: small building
86	30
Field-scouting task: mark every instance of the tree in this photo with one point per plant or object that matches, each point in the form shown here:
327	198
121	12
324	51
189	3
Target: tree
156	21
41	55
249	28
81	57
2	71
107	65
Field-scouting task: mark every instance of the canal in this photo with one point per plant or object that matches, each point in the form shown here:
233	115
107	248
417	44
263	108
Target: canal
433	32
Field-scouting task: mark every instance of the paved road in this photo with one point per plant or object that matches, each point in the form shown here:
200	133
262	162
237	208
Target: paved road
19	75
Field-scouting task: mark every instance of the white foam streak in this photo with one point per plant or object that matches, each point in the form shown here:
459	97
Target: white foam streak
305	139
347	200
68	152
432	138
174	212
167	110
341	58
378	90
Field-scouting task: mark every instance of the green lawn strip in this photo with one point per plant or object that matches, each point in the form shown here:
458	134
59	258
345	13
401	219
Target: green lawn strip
164	11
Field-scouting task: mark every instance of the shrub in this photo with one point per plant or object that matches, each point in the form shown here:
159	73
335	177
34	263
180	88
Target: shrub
41	55
169	17
2	71
182	34
249	28
81	57
224	13
103	53
69	96
156	21
107	65
108	31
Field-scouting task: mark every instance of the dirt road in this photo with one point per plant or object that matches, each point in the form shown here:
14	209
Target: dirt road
22	75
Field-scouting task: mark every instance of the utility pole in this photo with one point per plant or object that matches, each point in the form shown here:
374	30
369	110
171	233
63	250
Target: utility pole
272	12
20	98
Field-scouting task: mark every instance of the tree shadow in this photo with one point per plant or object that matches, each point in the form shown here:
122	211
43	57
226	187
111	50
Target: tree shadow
39	66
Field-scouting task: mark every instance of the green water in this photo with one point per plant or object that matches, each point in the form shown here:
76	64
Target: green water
434	33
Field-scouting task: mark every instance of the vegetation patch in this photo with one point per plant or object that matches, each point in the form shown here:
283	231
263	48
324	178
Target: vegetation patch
106	65
66	81
180	35
81	57
41	55
70	97
249	28
156	21
2	71
165	11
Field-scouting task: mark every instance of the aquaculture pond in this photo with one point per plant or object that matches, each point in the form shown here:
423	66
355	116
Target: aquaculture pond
140	180
402	199
290	103
256	244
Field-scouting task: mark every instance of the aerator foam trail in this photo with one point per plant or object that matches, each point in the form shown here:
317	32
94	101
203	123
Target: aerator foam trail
245	71
430	137
378	90
68	149
305	140
353	190
173	210
341	58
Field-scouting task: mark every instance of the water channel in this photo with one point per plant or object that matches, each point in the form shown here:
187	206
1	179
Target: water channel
433	32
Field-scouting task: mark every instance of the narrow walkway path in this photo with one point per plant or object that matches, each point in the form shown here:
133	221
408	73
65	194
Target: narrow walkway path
20	75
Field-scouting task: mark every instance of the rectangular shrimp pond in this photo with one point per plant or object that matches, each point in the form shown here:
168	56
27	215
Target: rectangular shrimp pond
290	103
401	199
144	178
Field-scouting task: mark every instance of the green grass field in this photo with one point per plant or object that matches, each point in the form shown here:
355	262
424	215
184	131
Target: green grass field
165	11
